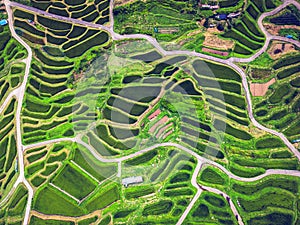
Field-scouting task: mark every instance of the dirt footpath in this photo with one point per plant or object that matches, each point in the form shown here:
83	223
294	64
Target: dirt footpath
260	89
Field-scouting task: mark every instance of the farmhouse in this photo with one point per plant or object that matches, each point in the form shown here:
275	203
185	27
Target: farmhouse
221	17
234	15
132	180
3	22
206	6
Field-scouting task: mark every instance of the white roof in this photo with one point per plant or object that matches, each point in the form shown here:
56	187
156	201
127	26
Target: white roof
132	180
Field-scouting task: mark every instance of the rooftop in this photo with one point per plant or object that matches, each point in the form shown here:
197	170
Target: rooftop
3	22
132	180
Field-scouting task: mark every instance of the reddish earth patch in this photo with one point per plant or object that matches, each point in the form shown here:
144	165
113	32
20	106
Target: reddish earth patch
167	134
260	89
154	115
217	52
161	130
165	119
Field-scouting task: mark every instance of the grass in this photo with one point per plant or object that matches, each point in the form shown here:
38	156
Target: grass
138	191
74	182
158	208
250	189
269	143
279	93
272	199
97	169
37	221
288	72
144	158
103	198
276	218
263	61
48	201
209	175
88	221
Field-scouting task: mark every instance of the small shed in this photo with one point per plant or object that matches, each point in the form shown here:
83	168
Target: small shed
3	22
221	16
132	180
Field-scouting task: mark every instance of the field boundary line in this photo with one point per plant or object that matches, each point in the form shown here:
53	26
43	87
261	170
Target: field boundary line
90	175
63	191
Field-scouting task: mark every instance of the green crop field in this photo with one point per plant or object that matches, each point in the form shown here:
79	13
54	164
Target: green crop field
73	182
283	93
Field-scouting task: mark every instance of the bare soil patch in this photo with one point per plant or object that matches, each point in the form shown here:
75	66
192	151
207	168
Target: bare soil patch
213	41
123	2
165	119
278	49
258	89
215	51
274	29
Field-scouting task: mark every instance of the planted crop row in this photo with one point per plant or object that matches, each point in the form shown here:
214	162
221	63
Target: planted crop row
41	84
8	147
76	9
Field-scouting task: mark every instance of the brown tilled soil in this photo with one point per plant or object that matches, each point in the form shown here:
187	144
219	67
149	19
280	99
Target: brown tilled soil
213	41
278	49
165	119
260	89
274	29
162	130
123	2
215	51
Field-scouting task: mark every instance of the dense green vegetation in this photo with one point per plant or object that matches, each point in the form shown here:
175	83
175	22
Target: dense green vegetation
51	201
283	97
70	72
74	182
55	65
167	16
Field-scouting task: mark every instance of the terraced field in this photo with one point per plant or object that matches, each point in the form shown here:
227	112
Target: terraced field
245	32
11	67
113	99
91	11
211	208
164	15
274	197
283	97
14	210
11	75
54	71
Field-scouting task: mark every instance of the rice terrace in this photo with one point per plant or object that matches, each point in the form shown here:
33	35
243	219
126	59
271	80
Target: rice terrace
150	112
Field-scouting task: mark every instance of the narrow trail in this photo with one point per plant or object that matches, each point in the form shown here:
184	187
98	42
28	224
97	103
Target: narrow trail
19	94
